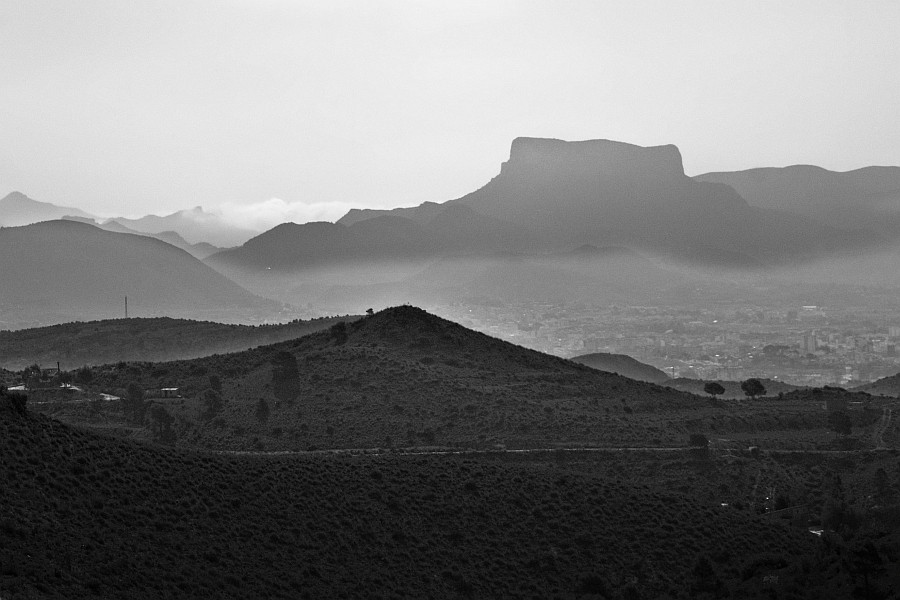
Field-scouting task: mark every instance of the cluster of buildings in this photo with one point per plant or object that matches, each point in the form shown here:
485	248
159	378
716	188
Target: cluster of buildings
808	345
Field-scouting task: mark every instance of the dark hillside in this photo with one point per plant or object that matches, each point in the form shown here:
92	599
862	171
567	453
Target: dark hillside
154	340
886	386
85	516
403	377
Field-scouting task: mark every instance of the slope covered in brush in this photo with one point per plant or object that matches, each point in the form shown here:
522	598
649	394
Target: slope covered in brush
88	516
405	377
155	339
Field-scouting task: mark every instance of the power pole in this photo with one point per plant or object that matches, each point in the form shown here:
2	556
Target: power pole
126	307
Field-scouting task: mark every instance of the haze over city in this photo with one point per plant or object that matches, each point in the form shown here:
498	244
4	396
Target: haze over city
415	299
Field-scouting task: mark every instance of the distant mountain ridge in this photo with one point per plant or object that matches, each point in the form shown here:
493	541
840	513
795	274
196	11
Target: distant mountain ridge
17	209
194	225
860	198
58	271
552	196
200	250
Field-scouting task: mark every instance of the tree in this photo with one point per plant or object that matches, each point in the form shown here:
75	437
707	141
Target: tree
339	333
84	375
161	423
285	377
262	411
133	404
698	440
64	378
215	383
753	388
839	422
714	388
212	404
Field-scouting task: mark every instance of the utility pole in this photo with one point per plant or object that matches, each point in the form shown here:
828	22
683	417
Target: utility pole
126	307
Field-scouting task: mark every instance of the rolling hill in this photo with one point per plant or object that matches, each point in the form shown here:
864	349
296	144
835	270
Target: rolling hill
403	377
59	271
623	365
144	340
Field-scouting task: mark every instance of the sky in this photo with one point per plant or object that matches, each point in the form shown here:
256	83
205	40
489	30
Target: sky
276	110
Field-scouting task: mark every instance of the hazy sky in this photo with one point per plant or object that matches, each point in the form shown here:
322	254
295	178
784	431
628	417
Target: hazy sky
289	109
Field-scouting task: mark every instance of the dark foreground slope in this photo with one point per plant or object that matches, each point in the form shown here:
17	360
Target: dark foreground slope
155	340
404	377
86	516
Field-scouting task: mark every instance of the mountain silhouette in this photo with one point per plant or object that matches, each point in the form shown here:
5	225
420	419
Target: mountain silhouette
194	225
601	192
65	270
199	250
18	209
862	198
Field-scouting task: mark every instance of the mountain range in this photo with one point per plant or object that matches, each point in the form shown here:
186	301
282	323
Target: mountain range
18	209
862	198
58	271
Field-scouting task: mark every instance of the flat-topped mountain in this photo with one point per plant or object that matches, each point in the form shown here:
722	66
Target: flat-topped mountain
18	209
64	270
601	192
623	365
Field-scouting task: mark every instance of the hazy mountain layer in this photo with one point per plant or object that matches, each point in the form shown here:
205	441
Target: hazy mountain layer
863	198
200	250
18	209
601	192
64	270
194	225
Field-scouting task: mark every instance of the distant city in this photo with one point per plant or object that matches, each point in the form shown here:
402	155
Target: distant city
801	345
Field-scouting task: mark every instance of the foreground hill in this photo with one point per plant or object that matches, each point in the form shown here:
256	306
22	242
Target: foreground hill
407	378
623	365
154	340
17	209
86	516
64	270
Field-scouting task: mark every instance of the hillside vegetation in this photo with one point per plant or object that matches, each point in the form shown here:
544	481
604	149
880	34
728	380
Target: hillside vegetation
153	340
401	377
88	516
